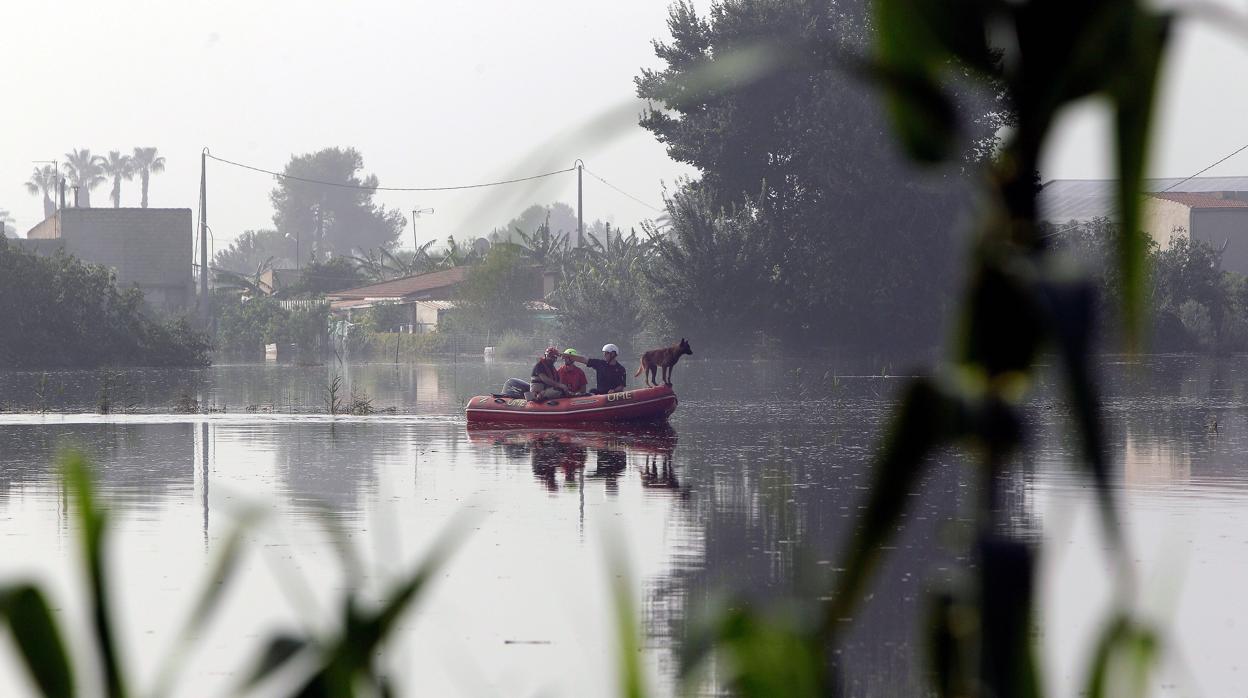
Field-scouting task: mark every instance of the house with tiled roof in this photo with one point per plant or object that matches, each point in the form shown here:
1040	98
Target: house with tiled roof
1210	209
426	298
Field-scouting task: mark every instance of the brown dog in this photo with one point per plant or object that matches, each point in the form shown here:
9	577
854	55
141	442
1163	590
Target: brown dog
664	358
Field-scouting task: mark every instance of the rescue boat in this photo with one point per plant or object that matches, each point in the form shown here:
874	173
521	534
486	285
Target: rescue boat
640	405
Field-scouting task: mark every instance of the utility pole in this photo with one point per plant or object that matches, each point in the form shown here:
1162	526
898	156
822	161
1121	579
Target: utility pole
204	311
320	236
580	214
416	213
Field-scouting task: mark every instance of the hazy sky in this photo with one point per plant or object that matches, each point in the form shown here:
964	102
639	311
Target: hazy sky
432	94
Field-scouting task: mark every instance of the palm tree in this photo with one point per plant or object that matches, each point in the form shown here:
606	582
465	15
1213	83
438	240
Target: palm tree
147	163
227	280
118	167
381	264
85	173
43	180
544	248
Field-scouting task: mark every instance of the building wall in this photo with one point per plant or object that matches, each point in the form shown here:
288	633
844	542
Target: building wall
426	316
150	247
1160	217
1224	226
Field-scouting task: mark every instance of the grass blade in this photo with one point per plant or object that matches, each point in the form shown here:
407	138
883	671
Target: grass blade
94	520
38	639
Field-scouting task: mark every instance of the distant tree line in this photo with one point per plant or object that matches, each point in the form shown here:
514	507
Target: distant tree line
59	312
84	171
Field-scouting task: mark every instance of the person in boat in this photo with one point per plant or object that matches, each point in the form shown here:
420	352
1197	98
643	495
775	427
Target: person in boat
571	375
544	383
611	374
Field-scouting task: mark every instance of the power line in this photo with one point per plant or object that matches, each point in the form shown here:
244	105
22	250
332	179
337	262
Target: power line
600	179
1241	149
356	186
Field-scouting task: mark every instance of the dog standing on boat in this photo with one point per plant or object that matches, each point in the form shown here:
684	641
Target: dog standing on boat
664	358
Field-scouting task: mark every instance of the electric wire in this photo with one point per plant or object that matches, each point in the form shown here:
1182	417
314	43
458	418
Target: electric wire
643	203
356	186
1239	150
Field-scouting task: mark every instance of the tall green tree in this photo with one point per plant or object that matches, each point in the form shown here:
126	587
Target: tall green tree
117	167
599	295
711	274
344	216
559	216
254	248
864	248
6	228
147	162
63	313
493	297
544	248
85	172
43	181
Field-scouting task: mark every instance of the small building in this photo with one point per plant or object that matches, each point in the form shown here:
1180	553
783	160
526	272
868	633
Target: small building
1210	209
145	247
426	298
275	280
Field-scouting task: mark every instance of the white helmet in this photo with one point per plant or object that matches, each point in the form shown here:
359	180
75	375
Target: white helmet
611	348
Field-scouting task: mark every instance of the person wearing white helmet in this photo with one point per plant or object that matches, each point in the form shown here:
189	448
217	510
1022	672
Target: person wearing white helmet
611	374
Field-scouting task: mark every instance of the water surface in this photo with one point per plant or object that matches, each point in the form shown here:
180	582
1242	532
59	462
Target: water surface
754	486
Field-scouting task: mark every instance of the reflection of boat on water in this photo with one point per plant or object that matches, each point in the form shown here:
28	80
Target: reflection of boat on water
641	405
566	449
654	439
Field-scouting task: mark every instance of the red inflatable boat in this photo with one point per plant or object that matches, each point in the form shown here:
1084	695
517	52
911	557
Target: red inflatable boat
641	405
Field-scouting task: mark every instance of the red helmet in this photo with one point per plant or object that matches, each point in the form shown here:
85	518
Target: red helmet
552	351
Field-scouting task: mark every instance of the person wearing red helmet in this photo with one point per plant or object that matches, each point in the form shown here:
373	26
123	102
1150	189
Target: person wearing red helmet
544	383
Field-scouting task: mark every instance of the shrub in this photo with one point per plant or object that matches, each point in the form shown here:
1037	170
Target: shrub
244	327
513	346
380	345
61	312
384	317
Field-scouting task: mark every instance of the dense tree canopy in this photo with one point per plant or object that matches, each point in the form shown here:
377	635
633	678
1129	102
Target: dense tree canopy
859	246
253	249
599	297
63	313
349	219
559	217
493	296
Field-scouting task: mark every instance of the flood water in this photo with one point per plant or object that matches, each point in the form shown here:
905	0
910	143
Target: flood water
754	487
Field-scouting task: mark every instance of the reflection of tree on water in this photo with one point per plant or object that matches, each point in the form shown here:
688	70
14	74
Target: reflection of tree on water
772	507
331	464
138	464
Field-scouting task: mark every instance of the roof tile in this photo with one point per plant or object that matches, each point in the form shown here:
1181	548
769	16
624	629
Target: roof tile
405	287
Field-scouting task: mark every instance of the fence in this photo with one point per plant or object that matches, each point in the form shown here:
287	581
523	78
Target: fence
302	304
